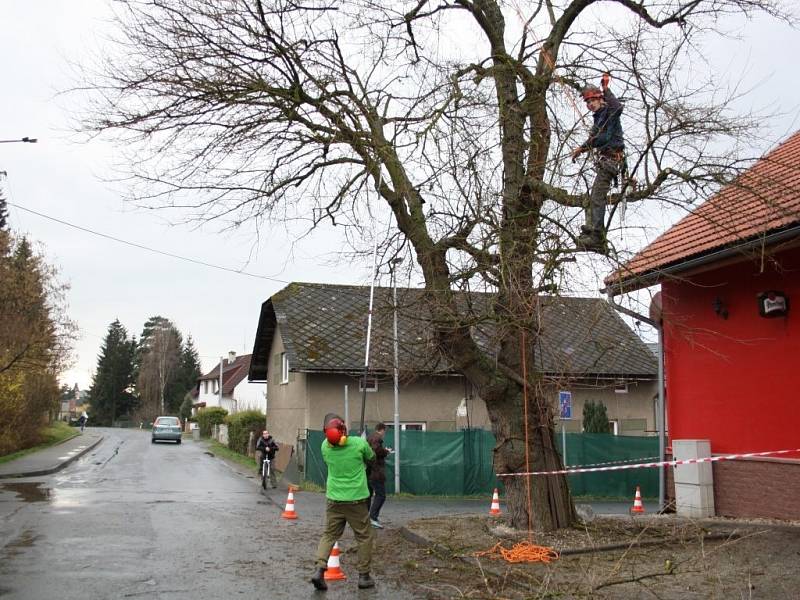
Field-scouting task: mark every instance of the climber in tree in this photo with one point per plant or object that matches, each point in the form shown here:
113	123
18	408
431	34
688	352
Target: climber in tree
607	145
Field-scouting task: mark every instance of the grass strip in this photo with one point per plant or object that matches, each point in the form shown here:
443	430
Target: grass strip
51	435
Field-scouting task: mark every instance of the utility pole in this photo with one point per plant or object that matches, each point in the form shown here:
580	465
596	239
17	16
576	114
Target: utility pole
395	262
220	380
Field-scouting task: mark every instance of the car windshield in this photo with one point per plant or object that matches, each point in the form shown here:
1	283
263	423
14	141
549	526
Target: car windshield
167	421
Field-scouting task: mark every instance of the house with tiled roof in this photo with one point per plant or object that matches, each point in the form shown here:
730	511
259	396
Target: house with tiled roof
310	349
729	274
238	393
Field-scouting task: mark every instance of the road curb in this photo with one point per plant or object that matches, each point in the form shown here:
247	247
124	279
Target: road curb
56	468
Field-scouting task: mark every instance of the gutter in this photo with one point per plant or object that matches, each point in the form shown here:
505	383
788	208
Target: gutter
653	277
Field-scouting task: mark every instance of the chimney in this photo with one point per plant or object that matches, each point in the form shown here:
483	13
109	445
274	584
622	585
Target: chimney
231	356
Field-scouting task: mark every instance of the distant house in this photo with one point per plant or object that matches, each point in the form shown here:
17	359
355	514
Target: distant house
310	346
730	280
237	393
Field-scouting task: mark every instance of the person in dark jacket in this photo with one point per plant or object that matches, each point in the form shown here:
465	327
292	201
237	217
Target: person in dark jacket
266	448
607	143
376	474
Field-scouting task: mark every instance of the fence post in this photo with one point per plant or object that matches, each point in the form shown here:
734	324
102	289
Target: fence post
251	444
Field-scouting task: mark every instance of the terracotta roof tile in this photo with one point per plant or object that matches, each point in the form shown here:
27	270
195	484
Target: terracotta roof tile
764	199
232	373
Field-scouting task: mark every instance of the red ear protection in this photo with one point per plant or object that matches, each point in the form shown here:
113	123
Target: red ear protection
336	432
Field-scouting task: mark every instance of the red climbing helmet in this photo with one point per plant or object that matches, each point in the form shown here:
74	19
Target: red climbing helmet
590	92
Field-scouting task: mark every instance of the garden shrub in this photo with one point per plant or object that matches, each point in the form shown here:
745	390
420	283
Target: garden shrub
239	427
208	417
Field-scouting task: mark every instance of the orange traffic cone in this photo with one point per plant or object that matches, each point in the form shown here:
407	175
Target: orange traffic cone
288	512
495	508
638	507
334	572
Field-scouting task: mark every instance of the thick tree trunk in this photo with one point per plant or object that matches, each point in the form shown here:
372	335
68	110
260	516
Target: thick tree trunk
551	504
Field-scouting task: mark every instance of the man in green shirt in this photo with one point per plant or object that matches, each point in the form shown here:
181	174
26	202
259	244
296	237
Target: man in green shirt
348	499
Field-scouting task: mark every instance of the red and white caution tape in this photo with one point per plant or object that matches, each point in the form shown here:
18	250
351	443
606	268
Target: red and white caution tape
665	463
613	462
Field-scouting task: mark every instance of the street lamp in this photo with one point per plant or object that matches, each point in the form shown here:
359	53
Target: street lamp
28	140
394	264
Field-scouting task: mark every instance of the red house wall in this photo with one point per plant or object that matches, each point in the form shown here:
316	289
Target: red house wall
735	381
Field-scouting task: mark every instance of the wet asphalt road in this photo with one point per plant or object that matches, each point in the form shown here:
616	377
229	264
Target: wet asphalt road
131	520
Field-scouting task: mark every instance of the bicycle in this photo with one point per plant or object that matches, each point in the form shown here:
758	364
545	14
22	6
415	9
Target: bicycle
265	472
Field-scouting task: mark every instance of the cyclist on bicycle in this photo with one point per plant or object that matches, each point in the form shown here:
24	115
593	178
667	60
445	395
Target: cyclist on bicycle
266	448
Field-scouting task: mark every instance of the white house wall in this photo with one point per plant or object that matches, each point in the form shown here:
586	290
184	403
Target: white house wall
210	398
250	396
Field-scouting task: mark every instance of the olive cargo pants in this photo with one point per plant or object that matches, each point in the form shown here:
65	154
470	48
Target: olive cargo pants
356	514
606	169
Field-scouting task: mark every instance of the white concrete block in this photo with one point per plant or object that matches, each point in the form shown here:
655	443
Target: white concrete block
698	474
694	501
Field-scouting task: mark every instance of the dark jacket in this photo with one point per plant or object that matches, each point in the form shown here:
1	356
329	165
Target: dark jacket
606	133
267	446
376	469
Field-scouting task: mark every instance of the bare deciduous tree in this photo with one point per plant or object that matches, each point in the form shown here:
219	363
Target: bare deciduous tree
459	113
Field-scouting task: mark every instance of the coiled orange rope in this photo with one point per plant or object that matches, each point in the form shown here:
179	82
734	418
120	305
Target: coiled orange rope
521	552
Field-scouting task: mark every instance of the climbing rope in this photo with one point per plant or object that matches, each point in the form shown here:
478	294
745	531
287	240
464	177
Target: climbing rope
525	551
521	552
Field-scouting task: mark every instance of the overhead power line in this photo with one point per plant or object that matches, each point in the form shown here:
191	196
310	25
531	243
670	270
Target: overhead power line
148	248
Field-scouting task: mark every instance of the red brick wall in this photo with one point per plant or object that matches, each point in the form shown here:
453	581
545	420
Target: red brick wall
755	488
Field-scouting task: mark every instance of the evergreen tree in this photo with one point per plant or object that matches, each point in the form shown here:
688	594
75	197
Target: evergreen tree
595	418
188	374
111	391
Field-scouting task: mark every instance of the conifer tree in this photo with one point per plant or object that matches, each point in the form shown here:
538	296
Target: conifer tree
595	418
111	392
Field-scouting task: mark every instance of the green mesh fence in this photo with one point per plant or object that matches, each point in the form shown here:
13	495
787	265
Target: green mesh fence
460	463
592	448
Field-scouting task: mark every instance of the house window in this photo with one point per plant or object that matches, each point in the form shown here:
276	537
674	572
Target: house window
411	426
621	388
284	368
205	387
372	384
215	386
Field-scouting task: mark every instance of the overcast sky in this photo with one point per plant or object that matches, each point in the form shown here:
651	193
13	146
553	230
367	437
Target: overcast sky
65	180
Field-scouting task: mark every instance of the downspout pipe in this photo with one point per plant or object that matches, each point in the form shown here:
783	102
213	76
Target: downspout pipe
661	411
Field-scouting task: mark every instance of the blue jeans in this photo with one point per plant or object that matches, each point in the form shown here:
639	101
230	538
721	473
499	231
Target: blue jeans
377	496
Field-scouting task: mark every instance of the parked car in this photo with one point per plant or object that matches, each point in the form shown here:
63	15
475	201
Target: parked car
166	428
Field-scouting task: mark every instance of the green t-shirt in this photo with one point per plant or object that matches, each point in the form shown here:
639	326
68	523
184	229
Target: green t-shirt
347	475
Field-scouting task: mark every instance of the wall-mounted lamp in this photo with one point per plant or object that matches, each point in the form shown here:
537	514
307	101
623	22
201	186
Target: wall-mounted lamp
719	308
773	303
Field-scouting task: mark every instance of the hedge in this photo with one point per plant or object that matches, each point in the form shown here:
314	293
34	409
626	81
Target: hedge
239	427
208	417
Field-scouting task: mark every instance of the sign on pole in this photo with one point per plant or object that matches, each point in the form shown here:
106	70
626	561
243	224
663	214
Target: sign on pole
565	405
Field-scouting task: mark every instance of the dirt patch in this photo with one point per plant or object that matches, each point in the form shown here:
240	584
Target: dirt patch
650	556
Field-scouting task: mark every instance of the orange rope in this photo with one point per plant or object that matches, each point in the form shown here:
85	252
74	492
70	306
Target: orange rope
521	552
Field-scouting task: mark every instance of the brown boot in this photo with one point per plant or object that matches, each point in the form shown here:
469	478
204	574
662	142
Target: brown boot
592	242
365	581
318	579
